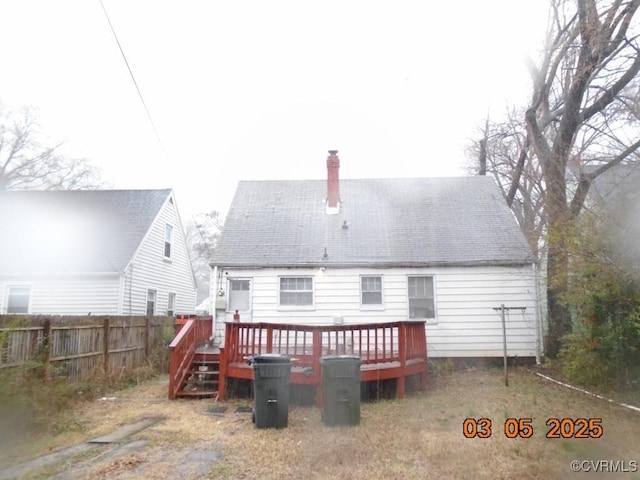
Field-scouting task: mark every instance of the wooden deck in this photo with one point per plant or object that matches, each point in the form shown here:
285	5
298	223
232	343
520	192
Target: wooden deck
392	350
387	350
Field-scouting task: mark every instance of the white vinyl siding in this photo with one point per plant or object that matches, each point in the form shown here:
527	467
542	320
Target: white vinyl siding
464	299
149	270
70	295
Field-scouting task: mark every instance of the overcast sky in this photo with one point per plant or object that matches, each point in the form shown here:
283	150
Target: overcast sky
262	89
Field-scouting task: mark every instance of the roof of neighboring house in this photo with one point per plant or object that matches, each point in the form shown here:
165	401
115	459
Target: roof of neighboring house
390	222
74	231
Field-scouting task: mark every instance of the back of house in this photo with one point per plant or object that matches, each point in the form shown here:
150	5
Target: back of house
445	250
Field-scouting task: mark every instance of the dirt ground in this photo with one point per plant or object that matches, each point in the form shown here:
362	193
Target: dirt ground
415	438
183	440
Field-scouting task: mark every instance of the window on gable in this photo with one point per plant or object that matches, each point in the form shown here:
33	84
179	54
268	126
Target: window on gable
421	297
296	291
168	234
371	291
18	299
171	305
151	303
239	295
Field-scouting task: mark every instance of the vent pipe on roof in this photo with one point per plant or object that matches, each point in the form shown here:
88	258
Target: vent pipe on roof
333	183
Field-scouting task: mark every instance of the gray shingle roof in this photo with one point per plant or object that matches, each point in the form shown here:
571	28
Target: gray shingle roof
391	222
74	231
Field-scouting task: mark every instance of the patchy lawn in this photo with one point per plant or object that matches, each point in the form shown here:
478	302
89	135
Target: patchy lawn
415	438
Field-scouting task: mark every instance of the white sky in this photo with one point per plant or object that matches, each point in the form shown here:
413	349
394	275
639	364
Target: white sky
262	89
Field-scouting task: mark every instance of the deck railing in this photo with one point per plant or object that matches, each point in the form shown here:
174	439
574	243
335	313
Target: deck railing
377	344
194	332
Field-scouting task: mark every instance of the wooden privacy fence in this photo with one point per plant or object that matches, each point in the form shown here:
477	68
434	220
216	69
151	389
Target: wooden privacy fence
77	347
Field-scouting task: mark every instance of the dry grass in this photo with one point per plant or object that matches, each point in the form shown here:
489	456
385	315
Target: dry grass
418	437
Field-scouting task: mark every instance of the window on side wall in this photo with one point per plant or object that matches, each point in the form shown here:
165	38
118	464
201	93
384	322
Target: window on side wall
168	237
296	292
171	305
18	299
151	303
421	298
371	292
239	295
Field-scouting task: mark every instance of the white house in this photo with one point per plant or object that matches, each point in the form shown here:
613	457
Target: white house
104	252
447	250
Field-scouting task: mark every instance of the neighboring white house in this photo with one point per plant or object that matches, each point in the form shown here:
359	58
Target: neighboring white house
446	250
103	252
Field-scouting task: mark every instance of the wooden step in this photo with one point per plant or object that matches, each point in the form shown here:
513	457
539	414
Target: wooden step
212	367
203	372
197	381
198	394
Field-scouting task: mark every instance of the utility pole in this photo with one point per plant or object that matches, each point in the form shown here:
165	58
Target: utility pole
502	309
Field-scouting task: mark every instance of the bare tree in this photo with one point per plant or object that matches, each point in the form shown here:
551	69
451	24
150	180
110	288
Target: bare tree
26	164
203	231
581	122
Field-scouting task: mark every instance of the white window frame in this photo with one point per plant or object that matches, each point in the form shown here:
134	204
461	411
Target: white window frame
171	306
372	306
296	307
8	296
430	320
168	241
155	302
230	309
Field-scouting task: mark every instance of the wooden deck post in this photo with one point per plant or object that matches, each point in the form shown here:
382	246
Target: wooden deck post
317	353
224	360
402	350
270	339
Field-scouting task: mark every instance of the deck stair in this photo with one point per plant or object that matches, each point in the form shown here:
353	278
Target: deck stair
195	363
201	379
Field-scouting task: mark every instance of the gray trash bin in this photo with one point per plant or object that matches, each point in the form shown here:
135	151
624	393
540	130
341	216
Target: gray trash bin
341	390
271	374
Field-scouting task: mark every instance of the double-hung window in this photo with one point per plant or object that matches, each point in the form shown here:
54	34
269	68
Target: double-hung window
371	292
18	299
421	298
296	291
171	304
168	237
151	303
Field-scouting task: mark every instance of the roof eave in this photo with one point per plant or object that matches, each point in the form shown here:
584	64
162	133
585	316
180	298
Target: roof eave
378	264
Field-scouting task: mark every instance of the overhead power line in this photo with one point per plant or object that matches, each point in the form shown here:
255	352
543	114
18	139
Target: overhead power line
133	78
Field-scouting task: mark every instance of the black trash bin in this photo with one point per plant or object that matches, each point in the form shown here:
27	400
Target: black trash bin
271	374
340	390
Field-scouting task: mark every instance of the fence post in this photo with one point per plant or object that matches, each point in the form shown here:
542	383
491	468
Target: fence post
147	335
105	344
46	350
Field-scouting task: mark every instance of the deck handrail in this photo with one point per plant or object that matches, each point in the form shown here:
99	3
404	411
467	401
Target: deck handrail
397	347
398	341
196	331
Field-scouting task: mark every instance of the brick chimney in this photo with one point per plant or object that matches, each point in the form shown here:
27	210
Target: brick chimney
333	183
